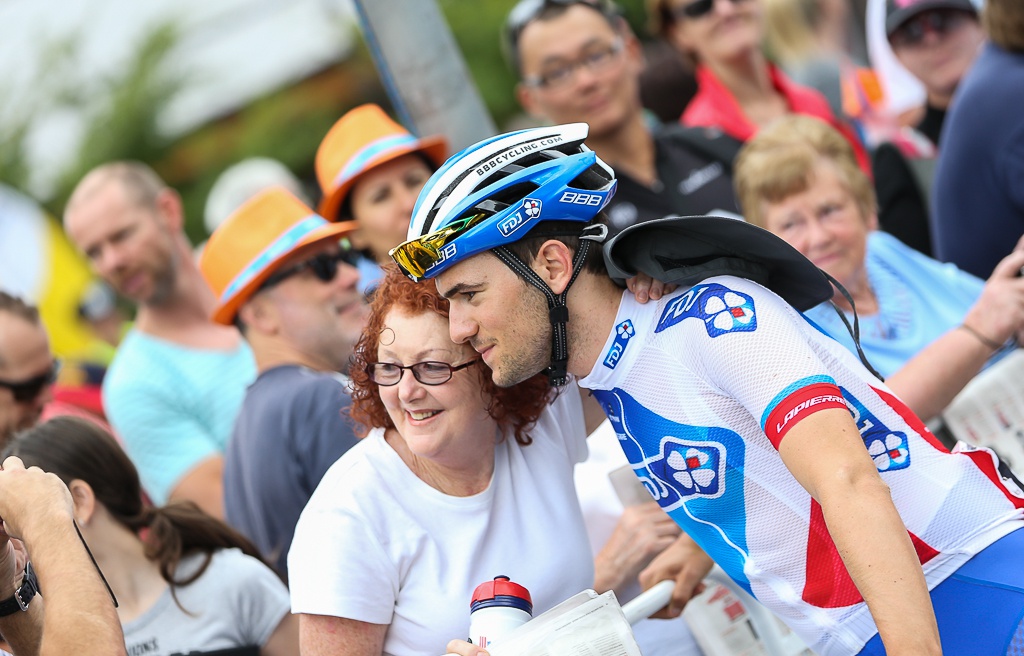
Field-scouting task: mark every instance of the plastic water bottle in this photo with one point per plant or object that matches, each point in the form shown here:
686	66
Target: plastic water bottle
498	607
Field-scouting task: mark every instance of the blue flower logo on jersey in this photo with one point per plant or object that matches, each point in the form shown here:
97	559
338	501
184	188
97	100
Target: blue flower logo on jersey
691	469
889	449
721	309
623	332
891	452
727	312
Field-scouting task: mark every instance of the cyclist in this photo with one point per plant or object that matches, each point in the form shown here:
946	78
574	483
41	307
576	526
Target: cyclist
770	444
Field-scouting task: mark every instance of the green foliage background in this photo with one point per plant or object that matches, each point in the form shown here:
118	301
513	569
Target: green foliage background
287	125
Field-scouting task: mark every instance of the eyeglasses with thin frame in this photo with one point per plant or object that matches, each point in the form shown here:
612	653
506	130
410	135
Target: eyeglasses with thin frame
940	21
595	59
694	10
25	391
323	265
428	372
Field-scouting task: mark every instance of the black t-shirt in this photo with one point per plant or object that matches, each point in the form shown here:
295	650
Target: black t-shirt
902	200
694	168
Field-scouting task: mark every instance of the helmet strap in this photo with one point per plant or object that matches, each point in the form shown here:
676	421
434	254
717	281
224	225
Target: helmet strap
558	371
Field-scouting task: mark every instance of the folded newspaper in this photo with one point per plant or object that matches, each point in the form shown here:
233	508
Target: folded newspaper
989	411
587	624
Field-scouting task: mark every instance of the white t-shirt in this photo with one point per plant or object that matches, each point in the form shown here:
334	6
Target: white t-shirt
237	602
377	544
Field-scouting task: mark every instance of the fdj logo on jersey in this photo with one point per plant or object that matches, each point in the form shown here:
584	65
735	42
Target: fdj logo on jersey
889	449
529	210
623	332
691	469
721	309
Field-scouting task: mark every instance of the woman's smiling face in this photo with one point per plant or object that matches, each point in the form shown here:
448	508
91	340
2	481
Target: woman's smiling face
436	422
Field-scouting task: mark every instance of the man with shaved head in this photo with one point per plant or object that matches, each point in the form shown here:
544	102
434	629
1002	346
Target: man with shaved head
178	379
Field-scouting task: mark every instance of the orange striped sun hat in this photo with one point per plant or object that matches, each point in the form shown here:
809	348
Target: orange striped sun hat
361	140
253	242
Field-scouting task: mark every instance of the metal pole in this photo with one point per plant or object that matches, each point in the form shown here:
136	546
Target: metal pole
423	71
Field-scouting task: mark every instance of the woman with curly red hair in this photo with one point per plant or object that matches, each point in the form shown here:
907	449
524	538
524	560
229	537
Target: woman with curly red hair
456	481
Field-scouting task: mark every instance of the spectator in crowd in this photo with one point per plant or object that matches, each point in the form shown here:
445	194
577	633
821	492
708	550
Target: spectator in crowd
301	313
936	41
978	195
27	368
739	90
450	487
927	327
370	170
177	380
769	443
184	581
580	62
78	616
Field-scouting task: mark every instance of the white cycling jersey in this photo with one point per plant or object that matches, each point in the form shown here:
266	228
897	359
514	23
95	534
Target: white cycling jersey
703	386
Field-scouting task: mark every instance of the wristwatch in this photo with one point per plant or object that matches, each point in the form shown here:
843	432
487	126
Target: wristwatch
23	595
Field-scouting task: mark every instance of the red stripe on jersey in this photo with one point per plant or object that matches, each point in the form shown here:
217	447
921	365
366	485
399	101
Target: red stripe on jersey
800	404
908	416
827	583
983	459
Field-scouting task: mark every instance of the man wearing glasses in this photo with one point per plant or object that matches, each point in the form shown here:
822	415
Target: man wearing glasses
281	277
578	61
177	380
27	368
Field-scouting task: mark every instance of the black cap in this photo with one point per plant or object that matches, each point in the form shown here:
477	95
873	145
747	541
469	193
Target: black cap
898	12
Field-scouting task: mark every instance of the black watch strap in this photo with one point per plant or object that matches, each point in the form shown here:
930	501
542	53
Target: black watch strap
23	595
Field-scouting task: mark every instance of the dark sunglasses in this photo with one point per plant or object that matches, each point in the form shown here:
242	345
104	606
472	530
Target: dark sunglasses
323	265
695	9
25	391
387	374
939	21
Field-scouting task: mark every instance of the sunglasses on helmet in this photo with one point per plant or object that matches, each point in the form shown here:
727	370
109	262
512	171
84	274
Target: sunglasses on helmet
417	256
25	391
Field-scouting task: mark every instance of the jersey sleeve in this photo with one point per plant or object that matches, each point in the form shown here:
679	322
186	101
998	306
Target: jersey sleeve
756	351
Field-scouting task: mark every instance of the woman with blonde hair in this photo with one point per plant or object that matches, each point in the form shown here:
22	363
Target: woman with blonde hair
927	327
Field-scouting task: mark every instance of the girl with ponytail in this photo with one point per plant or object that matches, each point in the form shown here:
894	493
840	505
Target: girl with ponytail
185	582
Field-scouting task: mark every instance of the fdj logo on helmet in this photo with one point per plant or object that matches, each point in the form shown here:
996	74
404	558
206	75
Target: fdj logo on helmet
529	210
575	198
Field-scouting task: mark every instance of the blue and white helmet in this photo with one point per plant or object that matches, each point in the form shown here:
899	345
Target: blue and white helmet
492	194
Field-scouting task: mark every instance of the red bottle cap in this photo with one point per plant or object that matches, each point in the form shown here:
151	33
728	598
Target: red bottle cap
501	586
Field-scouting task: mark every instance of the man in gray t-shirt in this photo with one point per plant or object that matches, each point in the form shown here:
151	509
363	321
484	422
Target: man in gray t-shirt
281	276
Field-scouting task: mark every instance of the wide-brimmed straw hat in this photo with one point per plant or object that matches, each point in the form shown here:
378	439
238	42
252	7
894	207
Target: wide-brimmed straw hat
363	139
253	242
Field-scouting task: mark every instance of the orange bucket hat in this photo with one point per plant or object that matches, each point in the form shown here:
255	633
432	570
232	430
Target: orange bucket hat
251	243
363	139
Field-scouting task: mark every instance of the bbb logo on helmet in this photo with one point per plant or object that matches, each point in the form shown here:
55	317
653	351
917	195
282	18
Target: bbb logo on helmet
529	210
577	198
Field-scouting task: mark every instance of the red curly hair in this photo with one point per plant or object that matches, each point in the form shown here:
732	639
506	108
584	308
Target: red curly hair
515	408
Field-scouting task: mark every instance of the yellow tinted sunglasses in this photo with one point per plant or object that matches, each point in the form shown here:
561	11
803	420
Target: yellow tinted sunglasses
417	256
